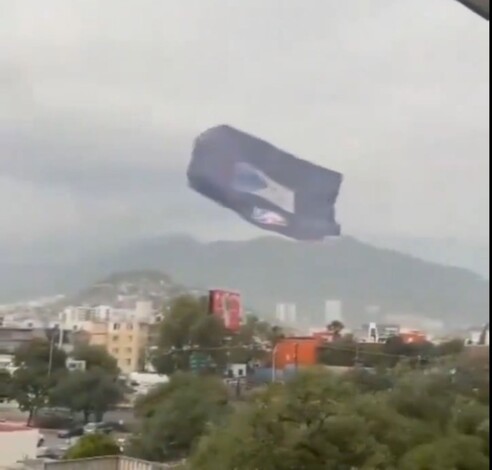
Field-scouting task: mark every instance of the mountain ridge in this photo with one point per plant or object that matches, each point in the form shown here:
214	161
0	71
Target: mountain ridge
271	269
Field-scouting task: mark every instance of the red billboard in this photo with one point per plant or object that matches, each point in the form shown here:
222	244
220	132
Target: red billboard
227	306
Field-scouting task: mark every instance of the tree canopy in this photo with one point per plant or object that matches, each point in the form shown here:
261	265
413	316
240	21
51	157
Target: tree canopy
91	392
186	326
40	364
175	415
5	384
320	421
187	329
96	357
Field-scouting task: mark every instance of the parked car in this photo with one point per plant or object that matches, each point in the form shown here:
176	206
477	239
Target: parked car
117	426
72	432
91	428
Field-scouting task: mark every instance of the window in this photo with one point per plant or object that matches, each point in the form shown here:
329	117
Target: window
129	326
128	362
116	326
115	337
129	350
116	350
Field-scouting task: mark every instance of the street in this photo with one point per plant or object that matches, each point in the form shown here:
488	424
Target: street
13	414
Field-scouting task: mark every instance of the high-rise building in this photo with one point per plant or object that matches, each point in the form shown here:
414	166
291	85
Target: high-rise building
333	311
286	313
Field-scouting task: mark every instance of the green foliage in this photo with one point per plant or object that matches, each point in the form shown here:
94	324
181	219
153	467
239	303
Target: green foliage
371	380
451	348
5	384
253	342
42	379
304	425
416	420
346	352
471	377
187	325
30	389
450	452
39	355
92	392
40	365
336	327
92	445
96	357
175	415
189	335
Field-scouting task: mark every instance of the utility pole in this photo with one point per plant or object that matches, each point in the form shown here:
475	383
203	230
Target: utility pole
52	347
356	358
274	371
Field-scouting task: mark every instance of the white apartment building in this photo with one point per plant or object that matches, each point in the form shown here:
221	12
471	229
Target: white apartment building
286	313
333	311
81	318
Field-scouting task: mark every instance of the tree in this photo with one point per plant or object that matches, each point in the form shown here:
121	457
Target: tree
175	415
369	380
30	389
471	377
187	326
451	452
451	348
91	392
336	327
41	355
320	421
40	365
92	445
306	424
253	342
96	357
5	384
427	398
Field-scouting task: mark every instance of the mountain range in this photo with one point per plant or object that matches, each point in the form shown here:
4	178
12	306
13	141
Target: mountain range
271	270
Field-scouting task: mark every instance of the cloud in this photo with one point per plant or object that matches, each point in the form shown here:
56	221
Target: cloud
99	102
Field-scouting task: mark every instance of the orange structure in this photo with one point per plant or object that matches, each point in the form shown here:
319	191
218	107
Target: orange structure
297	351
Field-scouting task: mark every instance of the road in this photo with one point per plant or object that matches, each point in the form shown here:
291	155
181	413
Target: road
13	414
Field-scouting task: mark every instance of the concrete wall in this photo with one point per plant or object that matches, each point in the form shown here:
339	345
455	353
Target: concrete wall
108	463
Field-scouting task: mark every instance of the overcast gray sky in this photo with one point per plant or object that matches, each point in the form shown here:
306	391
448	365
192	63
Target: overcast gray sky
100	100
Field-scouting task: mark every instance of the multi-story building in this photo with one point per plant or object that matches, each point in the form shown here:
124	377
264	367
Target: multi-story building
333	311
79	318
377	333
126	341
12	338
286	313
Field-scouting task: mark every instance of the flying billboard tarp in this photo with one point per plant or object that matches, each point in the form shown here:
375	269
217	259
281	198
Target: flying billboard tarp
481	7
266	186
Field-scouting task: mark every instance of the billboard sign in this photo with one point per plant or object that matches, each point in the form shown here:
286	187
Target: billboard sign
226	305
